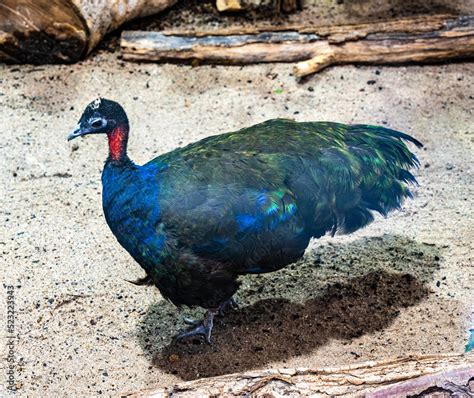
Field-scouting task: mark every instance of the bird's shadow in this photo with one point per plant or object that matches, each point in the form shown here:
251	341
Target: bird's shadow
339	291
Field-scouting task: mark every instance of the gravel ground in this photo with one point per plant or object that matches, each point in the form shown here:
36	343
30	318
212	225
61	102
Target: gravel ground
402	285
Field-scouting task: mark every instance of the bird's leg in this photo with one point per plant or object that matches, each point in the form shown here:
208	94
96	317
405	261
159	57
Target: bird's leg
228	304
203	328
231	303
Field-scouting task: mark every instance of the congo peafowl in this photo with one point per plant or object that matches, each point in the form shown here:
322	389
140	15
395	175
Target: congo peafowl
245	202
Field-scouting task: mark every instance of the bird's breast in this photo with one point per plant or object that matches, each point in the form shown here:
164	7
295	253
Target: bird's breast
132	211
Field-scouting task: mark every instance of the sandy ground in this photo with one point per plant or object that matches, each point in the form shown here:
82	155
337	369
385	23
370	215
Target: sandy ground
402	285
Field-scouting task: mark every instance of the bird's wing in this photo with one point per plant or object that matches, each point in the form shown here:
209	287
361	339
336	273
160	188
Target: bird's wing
225	212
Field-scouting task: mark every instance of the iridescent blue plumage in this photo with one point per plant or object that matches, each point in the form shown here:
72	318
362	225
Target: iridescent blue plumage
244	202
133	214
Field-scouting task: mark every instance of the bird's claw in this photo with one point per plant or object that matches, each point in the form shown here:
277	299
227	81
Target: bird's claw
200	330
191	321
203	328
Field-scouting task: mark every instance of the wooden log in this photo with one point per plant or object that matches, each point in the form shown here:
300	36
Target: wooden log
399	377
421	39
63	31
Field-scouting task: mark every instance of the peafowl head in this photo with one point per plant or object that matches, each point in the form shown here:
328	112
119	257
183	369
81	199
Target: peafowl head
103	116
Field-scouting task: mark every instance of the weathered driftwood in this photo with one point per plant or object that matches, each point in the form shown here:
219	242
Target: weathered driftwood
57	31
269	5
398	377
421	39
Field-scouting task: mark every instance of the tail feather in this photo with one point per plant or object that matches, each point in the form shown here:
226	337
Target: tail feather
381	164
388	132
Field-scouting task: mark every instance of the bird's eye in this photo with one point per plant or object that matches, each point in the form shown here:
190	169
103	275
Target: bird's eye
97	123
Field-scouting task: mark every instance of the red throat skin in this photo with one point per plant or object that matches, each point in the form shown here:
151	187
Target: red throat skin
117	142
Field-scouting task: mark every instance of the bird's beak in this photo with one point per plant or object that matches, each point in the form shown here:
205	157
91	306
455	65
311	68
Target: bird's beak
76	132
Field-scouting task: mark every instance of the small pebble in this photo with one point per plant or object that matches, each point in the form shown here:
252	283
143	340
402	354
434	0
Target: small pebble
173	358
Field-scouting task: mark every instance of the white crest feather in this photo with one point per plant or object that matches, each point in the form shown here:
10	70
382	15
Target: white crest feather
96	103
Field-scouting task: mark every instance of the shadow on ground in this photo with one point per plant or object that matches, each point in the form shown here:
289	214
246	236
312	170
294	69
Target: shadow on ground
339	291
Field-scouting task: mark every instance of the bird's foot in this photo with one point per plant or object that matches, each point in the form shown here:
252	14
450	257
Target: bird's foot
229	304
203	328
